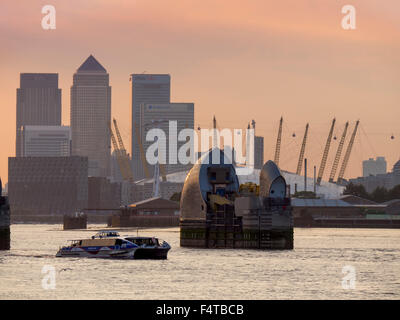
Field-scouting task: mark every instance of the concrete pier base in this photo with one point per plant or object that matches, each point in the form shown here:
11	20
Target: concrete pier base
78	221
4	222
5	238
197	236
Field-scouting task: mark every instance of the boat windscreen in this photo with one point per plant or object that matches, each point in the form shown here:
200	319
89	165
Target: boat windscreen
144	241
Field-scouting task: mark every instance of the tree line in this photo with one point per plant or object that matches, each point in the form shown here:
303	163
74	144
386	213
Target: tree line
379	195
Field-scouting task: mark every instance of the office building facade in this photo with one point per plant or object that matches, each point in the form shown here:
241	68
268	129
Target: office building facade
91	115
46	141
47	185
145	88
103	194
162	116
38	103
373	167
258	152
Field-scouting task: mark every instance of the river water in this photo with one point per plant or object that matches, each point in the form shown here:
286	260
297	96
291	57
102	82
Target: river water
313	270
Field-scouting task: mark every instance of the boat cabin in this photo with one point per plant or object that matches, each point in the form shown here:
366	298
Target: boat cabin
147	241
105	234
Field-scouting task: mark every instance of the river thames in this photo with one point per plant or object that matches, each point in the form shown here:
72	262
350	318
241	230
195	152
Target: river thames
325	264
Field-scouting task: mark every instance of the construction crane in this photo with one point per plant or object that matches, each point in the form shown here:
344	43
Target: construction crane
278	143
116	150
338	153
125	173
325	154
121	143
302	150
125	158
347	154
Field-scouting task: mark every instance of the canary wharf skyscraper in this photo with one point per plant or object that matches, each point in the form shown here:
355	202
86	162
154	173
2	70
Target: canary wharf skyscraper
38	103
146	88
90	115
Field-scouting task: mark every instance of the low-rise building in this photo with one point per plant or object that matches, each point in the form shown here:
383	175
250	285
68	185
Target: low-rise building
103	194
153	212
392	207
43	186
144	190
352	199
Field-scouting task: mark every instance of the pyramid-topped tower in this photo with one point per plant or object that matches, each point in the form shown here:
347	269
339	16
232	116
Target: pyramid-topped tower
91	65
90	116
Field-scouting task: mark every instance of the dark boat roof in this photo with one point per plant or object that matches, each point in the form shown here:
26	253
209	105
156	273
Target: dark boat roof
141	238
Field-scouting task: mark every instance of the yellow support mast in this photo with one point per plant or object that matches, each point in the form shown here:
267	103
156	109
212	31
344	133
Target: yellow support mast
124	155
347	154
302	151
338	153
278	143
325	155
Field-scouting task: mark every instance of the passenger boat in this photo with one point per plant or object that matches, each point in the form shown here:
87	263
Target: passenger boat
109	244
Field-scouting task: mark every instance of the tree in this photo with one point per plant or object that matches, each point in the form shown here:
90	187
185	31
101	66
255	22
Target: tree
394	193
356	190
380	194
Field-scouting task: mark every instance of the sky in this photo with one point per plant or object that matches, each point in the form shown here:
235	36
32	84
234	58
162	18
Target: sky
237	60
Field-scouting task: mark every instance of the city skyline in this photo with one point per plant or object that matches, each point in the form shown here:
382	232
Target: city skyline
250	72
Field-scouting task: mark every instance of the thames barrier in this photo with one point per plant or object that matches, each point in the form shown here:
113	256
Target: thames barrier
216	214
4	221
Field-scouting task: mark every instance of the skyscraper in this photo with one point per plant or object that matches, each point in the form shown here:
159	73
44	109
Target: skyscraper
90	116
258	152
159	116
145	88
38	103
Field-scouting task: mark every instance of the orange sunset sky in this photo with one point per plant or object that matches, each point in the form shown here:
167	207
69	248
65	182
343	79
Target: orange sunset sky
239	60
